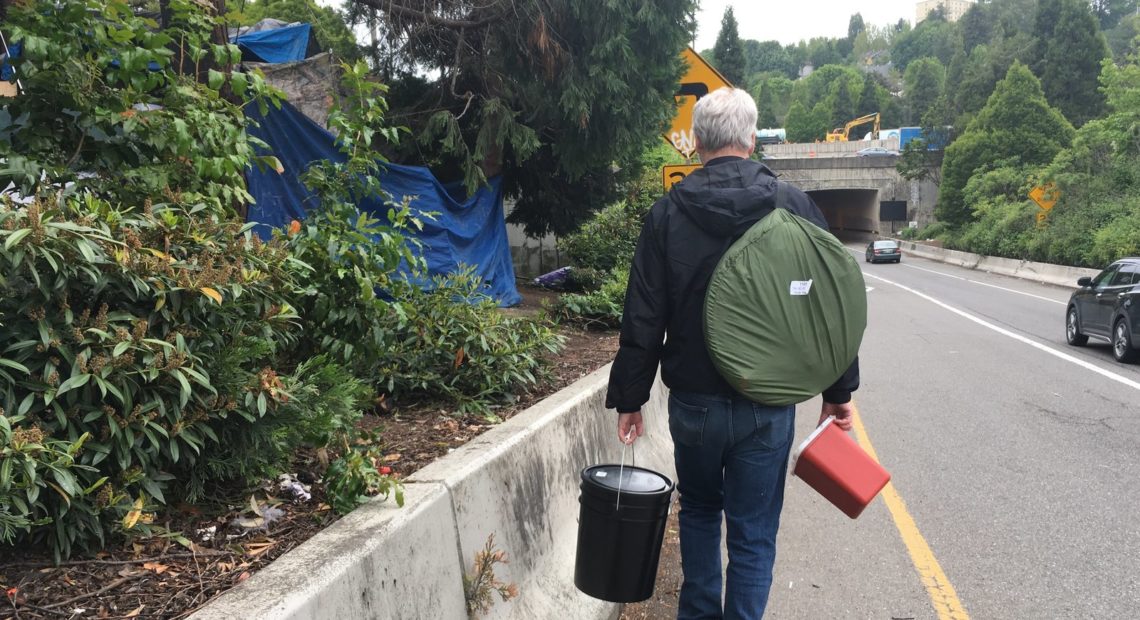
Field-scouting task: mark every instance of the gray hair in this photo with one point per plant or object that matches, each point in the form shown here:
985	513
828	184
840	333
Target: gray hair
725	118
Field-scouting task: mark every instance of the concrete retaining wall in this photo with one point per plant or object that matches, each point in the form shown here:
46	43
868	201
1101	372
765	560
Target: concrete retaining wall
518	482
1059	275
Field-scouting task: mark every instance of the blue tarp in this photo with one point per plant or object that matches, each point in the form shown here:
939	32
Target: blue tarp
469	231
285	44
7	72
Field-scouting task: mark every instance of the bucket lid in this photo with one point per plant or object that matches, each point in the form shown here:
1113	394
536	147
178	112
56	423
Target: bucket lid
632	479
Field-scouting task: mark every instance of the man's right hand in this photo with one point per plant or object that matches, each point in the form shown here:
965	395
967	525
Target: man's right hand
843	414
628	422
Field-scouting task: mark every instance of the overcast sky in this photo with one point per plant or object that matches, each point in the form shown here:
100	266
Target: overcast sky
788	22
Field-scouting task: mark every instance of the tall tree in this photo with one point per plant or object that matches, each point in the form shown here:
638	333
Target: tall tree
977	81
766	105
798	125
1072	64
1044	25
870	98
842	103
768	57
1110	12
933	38
977	27
1016	125
855	26
728	50
551	95
924	81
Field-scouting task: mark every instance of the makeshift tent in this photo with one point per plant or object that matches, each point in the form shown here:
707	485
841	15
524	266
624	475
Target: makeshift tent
273	41
465	230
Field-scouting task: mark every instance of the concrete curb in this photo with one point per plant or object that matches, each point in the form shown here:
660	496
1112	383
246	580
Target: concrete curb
518	482
1059	275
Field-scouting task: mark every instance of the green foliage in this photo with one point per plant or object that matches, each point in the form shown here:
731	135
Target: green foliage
356	475
602	307
728	51
932	38
96	115
142	329
768	57
1072	63
1016	124
452	342
592	82
977	26
925	79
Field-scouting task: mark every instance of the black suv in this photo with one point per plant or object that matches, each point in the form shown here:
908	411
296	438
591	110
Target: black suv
1108	306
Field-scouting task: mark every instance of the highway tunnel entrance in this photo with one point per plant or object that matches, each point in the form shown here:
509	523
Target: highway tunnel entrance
852	214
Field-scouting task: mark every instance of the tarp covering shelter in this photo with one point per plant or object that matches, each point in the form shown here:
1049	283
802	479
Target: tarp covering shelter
465	230
273	41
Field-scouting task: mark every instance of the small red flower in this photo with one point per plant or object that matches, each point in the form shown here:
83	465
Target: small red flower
12	592
294	227
384	470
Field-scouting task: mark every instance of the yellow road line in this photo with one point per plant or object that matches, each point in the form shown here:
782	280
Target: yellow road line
942	594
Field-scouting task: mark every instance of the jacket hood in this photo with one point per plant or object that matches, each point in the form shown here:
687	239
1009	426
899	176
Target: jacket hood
728	197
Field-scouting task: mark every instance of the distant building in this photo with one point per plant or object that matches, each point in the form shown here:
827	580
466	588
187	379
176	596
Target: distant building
952	9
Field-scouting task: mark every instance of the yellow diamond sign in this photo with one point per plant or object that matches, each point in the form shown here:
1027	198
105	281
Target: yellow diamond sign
1045	195
674	174
700	79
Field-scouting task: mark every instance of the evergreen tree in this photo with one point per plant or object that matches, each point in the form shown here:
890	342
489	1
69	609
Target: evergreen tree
1044	27
1016	125
870	98
550	94
766	105
798	125
976	82
1072	64
924	81
977	27
854	26
728	50
842	103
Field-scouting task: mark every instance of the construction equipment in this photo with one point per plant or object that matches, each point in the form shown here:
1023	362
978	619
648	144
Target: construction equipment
840	135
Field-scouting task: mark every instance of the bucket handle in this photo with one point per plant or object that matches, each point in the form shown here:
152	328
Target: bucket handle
621	469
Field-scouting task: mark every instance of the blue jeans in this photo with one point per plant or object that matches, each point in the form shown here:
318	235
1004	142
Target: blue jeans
732	457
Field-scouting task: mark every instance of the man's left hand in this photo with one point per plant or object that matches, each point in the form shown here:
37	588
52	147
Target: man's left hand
844	414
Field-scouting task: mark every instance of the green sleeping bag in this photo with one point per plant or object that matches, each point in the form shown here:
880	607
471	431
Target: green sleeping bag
785	310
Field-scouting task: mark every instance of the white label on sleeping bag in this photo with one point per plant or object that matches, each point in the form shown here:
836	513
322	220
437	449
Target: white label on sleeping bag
800	287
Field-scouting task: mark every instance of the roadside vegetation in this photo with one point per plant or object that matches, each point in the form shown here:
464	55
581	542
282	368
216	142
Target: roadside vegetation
1025	93
152	347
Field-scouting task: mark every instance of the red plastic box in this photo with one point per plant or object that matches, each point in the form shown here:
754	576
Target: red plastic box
835	466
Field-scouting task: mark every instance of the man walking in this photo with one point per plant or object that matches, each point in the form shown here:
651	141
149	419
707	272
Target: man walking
731	453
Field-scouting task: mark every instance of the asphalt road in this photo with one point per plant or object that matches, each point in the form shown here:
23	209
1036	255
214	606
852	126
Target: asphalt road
1015	460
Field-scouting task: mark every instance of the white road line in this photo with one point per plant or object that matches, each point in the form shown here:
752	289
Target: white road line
1000	288
1005	332
980	283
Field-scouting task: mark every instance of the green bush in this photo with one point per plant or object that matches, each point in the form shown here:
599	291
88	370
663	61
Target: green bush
146	330
602	307
609	238
453	341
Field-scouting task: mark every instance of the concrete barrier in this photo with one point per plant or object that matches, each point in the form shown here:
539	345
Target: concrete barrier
517	482
1059	275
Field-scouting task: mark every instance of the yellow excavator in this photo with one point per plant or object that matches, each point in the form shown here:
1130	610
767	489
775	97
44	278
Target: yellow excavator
841	135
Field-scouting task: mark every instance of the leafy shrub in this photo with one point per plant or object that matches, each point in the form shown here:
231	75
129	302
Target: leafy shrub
602	307
146	330
453	341
609	238
109	107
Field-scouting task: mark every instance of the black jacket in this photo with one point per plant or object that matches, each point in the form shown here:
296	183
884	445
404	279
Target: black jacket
684	236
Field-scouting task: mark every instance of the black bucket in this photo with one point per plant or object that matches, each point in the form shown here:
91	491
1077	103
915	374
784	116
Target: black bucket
619	542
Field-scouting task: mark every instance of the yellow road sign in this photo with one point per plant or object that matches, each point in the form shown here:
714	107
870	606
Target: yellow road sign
1045	195
1041	215
672	175
700	79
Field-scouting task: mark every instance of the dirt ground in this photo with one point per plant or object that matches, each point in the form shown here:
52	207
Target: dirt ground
202	551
